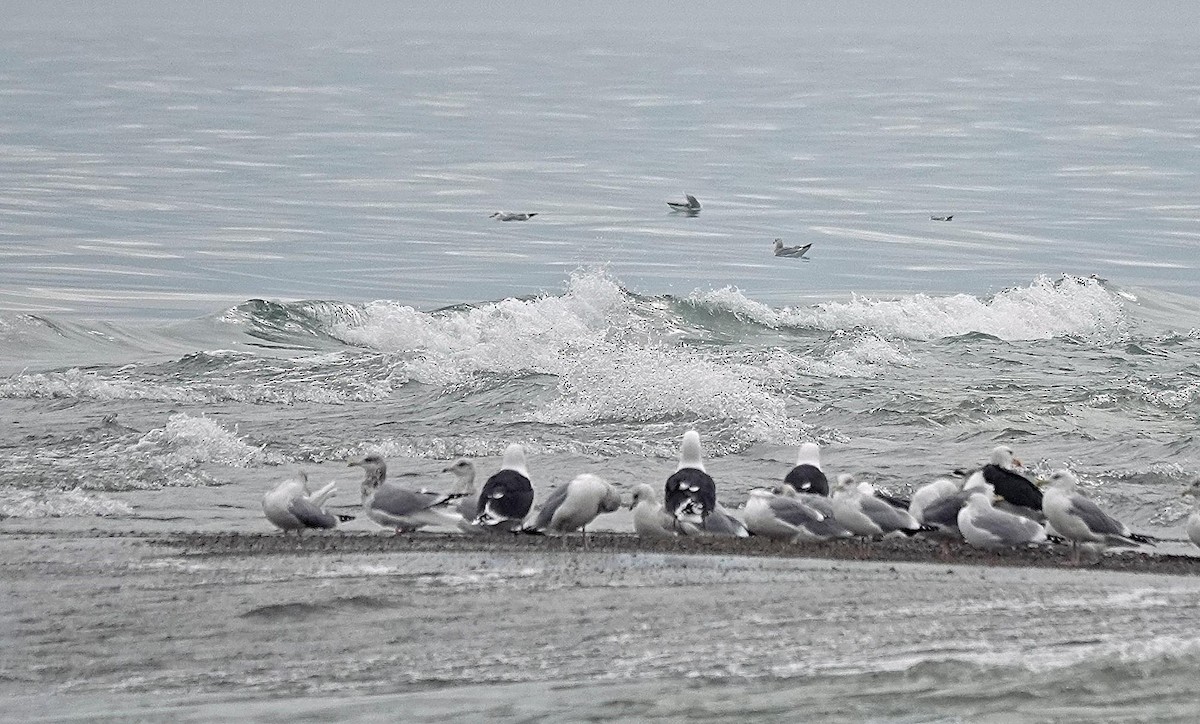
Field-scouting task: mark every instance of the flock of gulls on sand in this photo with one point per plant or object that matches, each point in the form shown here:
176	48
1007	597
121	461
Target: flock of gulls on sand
691	206
994	507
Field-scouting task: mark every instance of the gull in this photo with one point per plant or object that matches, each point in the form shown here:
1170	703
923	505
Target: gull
1080	520
513	216
395	507
290	506
650	520
866	515
794	252
507	496
787	518
691	206
1020	495
1193	521
991	528
807	476
574	505
690	495
941	217
464	470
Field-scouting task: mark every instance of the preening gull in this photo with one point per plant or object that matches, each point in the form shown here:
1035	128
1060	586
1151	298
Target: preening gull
1020	495
650	520
395	507
793	252
507	496
991	528
807	476
691	495
290	506
1193	521
1080	520
513	216
574	505
690	206
787	518
864	514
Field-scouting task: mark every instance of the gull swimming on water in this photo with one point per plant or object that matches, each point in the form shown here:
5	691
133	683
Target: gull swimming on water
650	520
806	476
512	216
290	506
794	252
395	507
991	528
691	206
941	217
1080	520
507	496
574	505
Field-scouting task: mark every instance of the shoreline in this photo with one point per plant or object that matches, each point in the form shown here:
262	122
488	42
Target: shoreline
892	550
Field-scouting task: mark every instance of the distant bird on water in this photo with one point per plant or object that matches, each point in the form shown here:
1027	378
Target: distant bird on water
792	252
691	206
290	506
511	216
942	217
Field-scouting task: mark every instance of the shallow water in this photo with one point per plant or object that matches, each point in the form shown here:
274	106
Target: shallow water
236	245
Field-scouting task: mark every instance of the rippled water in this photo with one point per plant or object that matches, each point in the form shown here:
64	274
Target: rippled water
237	245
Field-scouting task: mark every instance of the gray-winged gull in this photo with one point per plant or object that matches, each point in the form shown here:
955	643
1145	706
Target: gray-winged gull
464	471
395	507
512	216
290	506
792	252
650	520
860	512
574	505
507	495
984	526
1193	521
1020	494
806	476
941	217
1080	520
690	206
786	517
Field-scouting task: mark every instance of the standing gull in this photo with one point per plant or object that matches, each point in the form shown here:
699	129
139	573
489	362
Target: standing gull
290	506
691	206
1080	520
395	507
866	515
1020	495
691	495
650	520
464	470
991	528
574	505
807	476
507	496
1193	521
793	252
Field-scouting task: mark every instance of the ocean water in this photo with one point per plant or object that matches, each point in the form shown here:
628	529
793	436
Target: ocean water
235	243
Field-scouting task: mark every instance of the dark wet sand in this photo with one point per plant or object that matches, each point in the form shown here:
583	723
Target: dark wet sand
889	550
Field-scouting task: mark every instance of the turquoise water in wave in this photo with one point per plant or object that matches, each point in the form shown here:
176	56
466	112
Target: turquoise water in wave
235	244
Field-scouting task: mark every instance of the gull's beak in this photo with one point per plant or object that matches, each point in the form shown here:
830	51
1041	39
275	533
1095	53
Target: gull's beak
354	463
1041	482
1018	463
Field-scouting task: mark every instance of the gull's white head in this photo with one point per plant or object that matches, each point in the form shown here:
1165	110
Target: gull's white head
778	244
514	459
463	469
1002	456
690	454
643	493
374	469
979	500
810	454
1064	480
845	482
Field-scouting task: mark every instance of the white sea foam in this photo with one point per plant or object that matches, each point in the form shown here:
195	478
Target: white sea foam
73	503
187	440
1045	309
